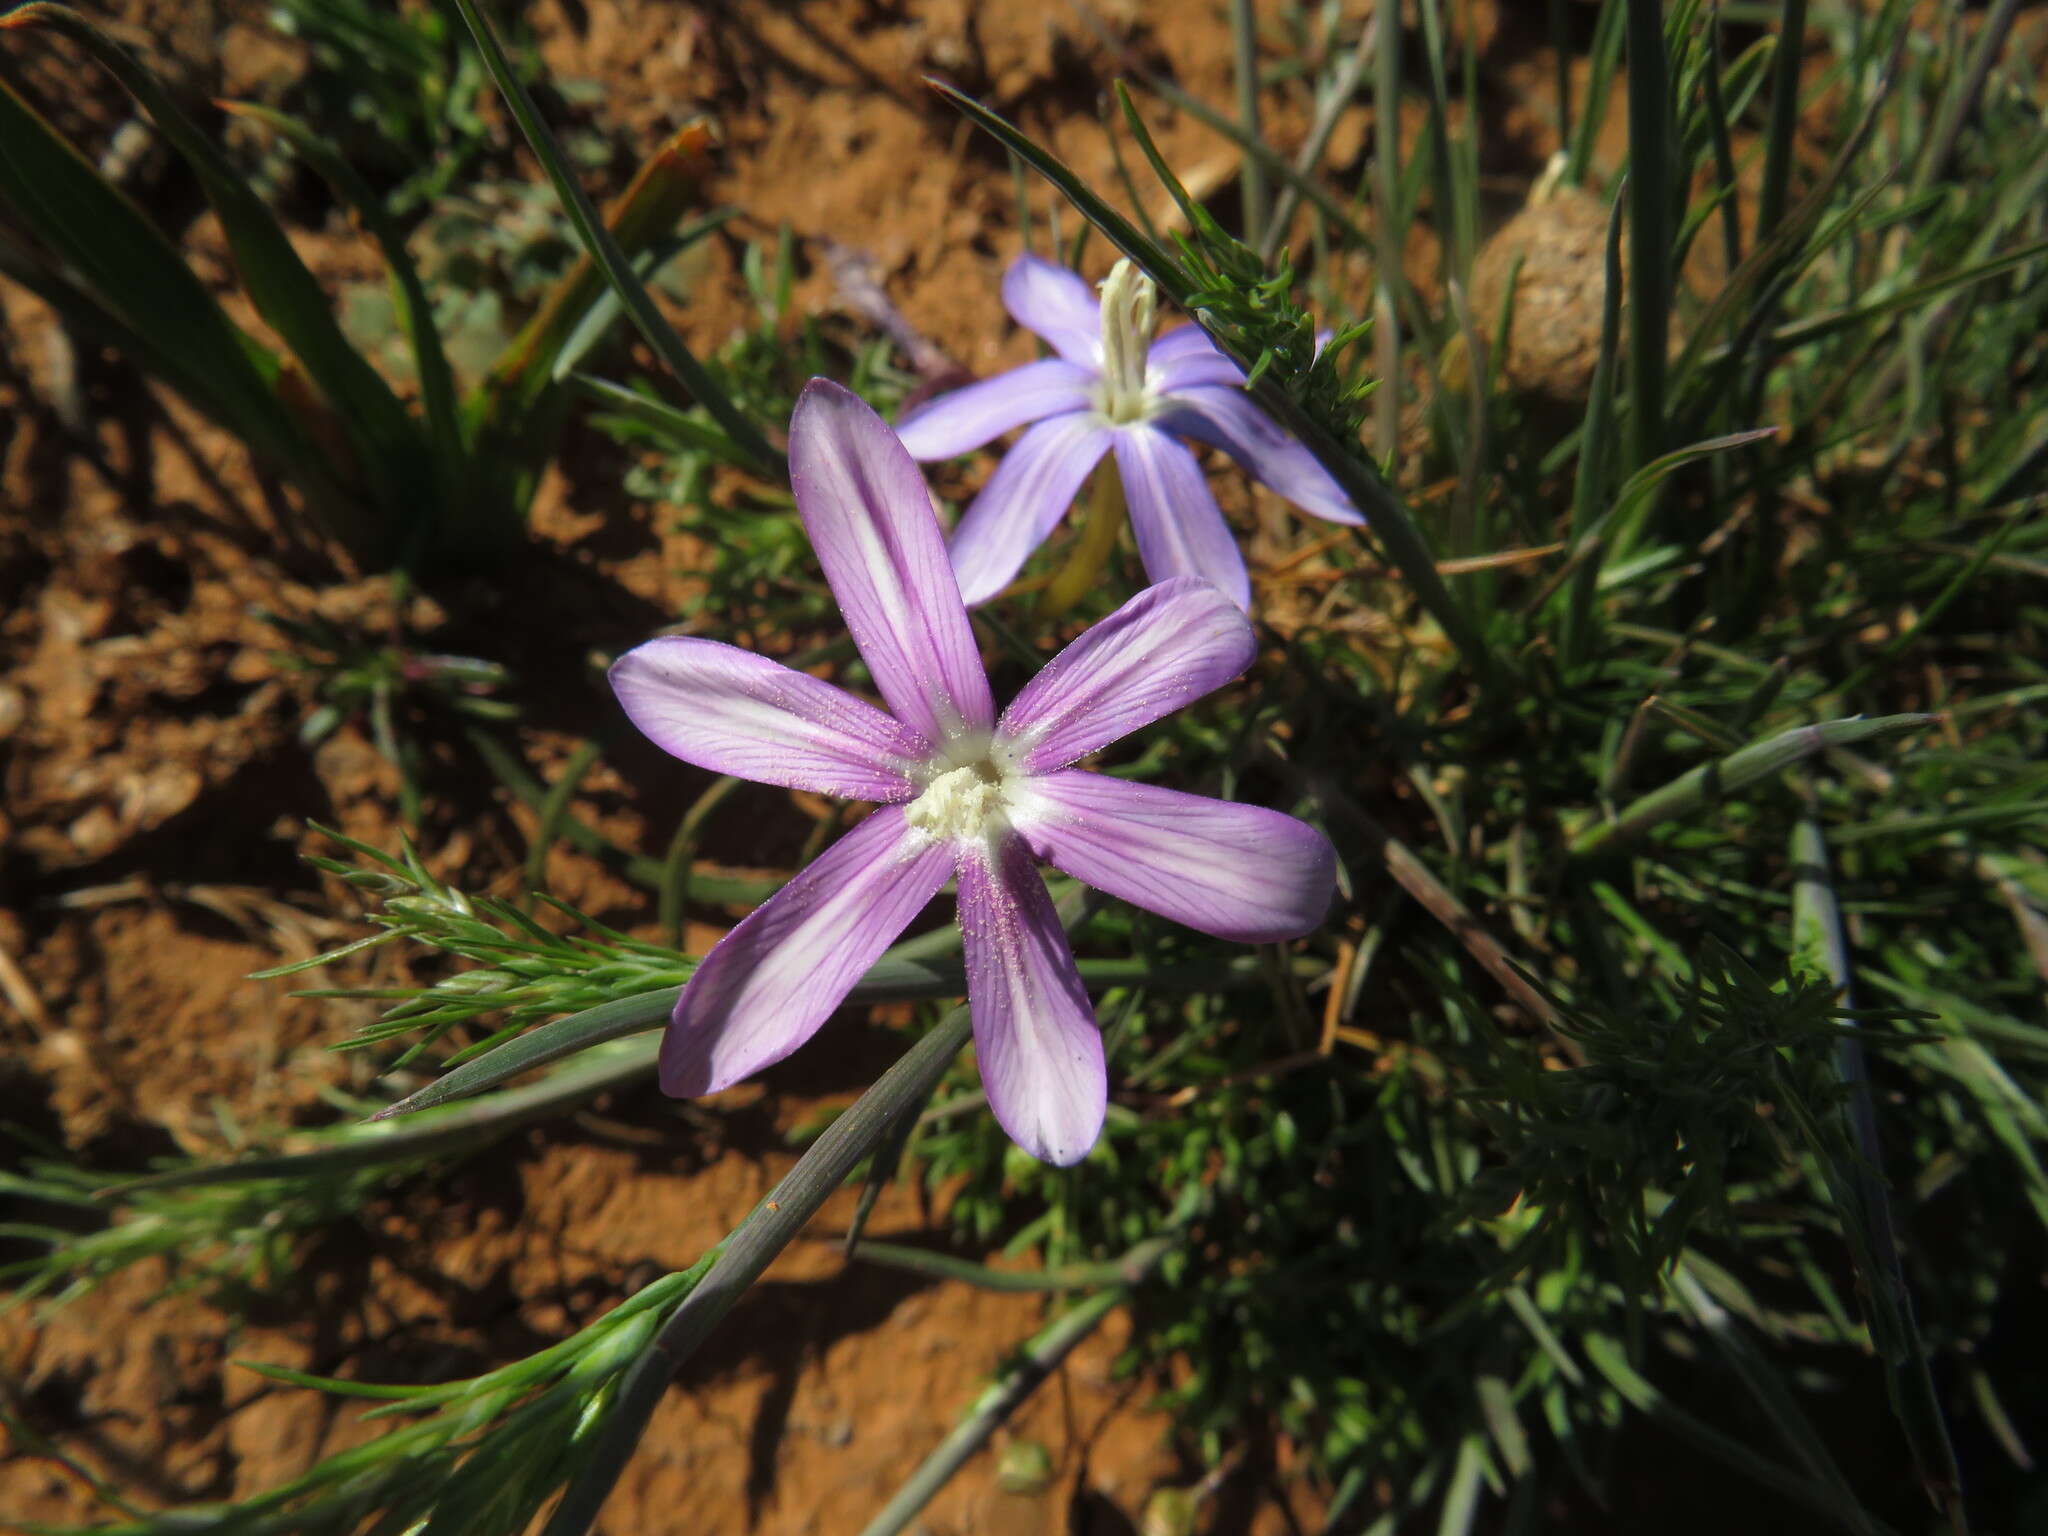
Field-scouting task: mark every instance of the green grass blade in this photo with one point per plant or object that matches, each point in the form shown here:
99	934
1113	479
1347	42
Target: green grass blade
1712	782
432	1135
388	446
1820	944
131	283
1611	1361
1591	476
1154	258
415	311
1651	195
669	181
1067	1277
683	432
1604	60
1780	136
1820	327
1773	1397
1244	42
748	1252
914	970
599	245
1623	521
1031	1366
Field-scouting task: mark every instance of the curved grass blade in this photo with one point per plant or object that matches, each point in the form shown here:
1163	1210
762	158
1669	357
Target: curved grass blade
1154	258
1820	327
1617	530
1773	1397
886	981
913	971
128	282
598	243
388	447
605	309
446	1130
683	432
1611	1361
1712	782
416	313
664	186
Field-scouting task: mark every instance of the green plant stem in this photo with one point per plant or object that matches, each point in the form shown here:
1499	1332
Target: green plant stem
1649	232
1037	1361
748	1252
1330	105
1779	137
1819	938
1244	42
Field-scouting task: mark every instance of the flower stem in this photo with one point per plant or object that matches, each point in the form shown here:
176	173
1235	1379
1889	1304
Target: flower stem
1101	523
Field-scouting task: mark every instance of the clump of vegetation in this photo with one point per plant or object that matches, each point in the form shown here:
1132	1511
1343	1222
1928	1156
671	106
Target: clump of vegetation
1676	1037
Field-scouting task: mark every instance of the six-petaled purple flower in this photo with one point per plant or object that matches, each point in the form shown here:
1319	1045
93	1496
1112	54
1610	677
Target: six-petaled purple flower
1108	392
965	796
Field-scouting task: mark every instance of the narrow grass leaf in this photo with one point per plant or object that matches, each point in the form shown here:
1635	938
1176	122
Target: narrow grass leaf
415	310
388	447
598	243
1712	782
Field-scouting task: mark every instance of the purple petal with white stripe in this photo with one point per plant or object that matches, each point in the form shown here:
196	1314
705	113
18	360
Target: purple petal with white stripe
1227	419
766	987
1178	526
733	712
1185	359
963	419
1236	871
1056	304
870	519
1035	1037
1160	651
1023	501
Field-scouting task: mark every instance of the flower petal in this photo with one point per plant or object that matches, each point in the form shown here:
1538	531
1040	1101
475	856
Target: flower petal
1178	526
766	987
1186	358
1024	501
1227	419
871	522
1164	648
1057	304
963	419
1236	871
1034	1032
731	711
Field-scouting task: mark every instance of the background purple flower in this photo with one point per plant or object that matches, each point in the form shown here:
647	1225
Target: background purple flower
966	796
1108	392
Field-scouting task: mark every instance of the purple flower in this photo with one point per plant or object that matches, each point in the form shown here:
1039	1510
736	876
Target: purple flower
965	796
1107	392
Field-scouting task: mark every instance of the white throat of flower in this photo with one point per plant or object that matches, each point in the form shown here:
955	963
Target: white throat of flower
967	796
1129	303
